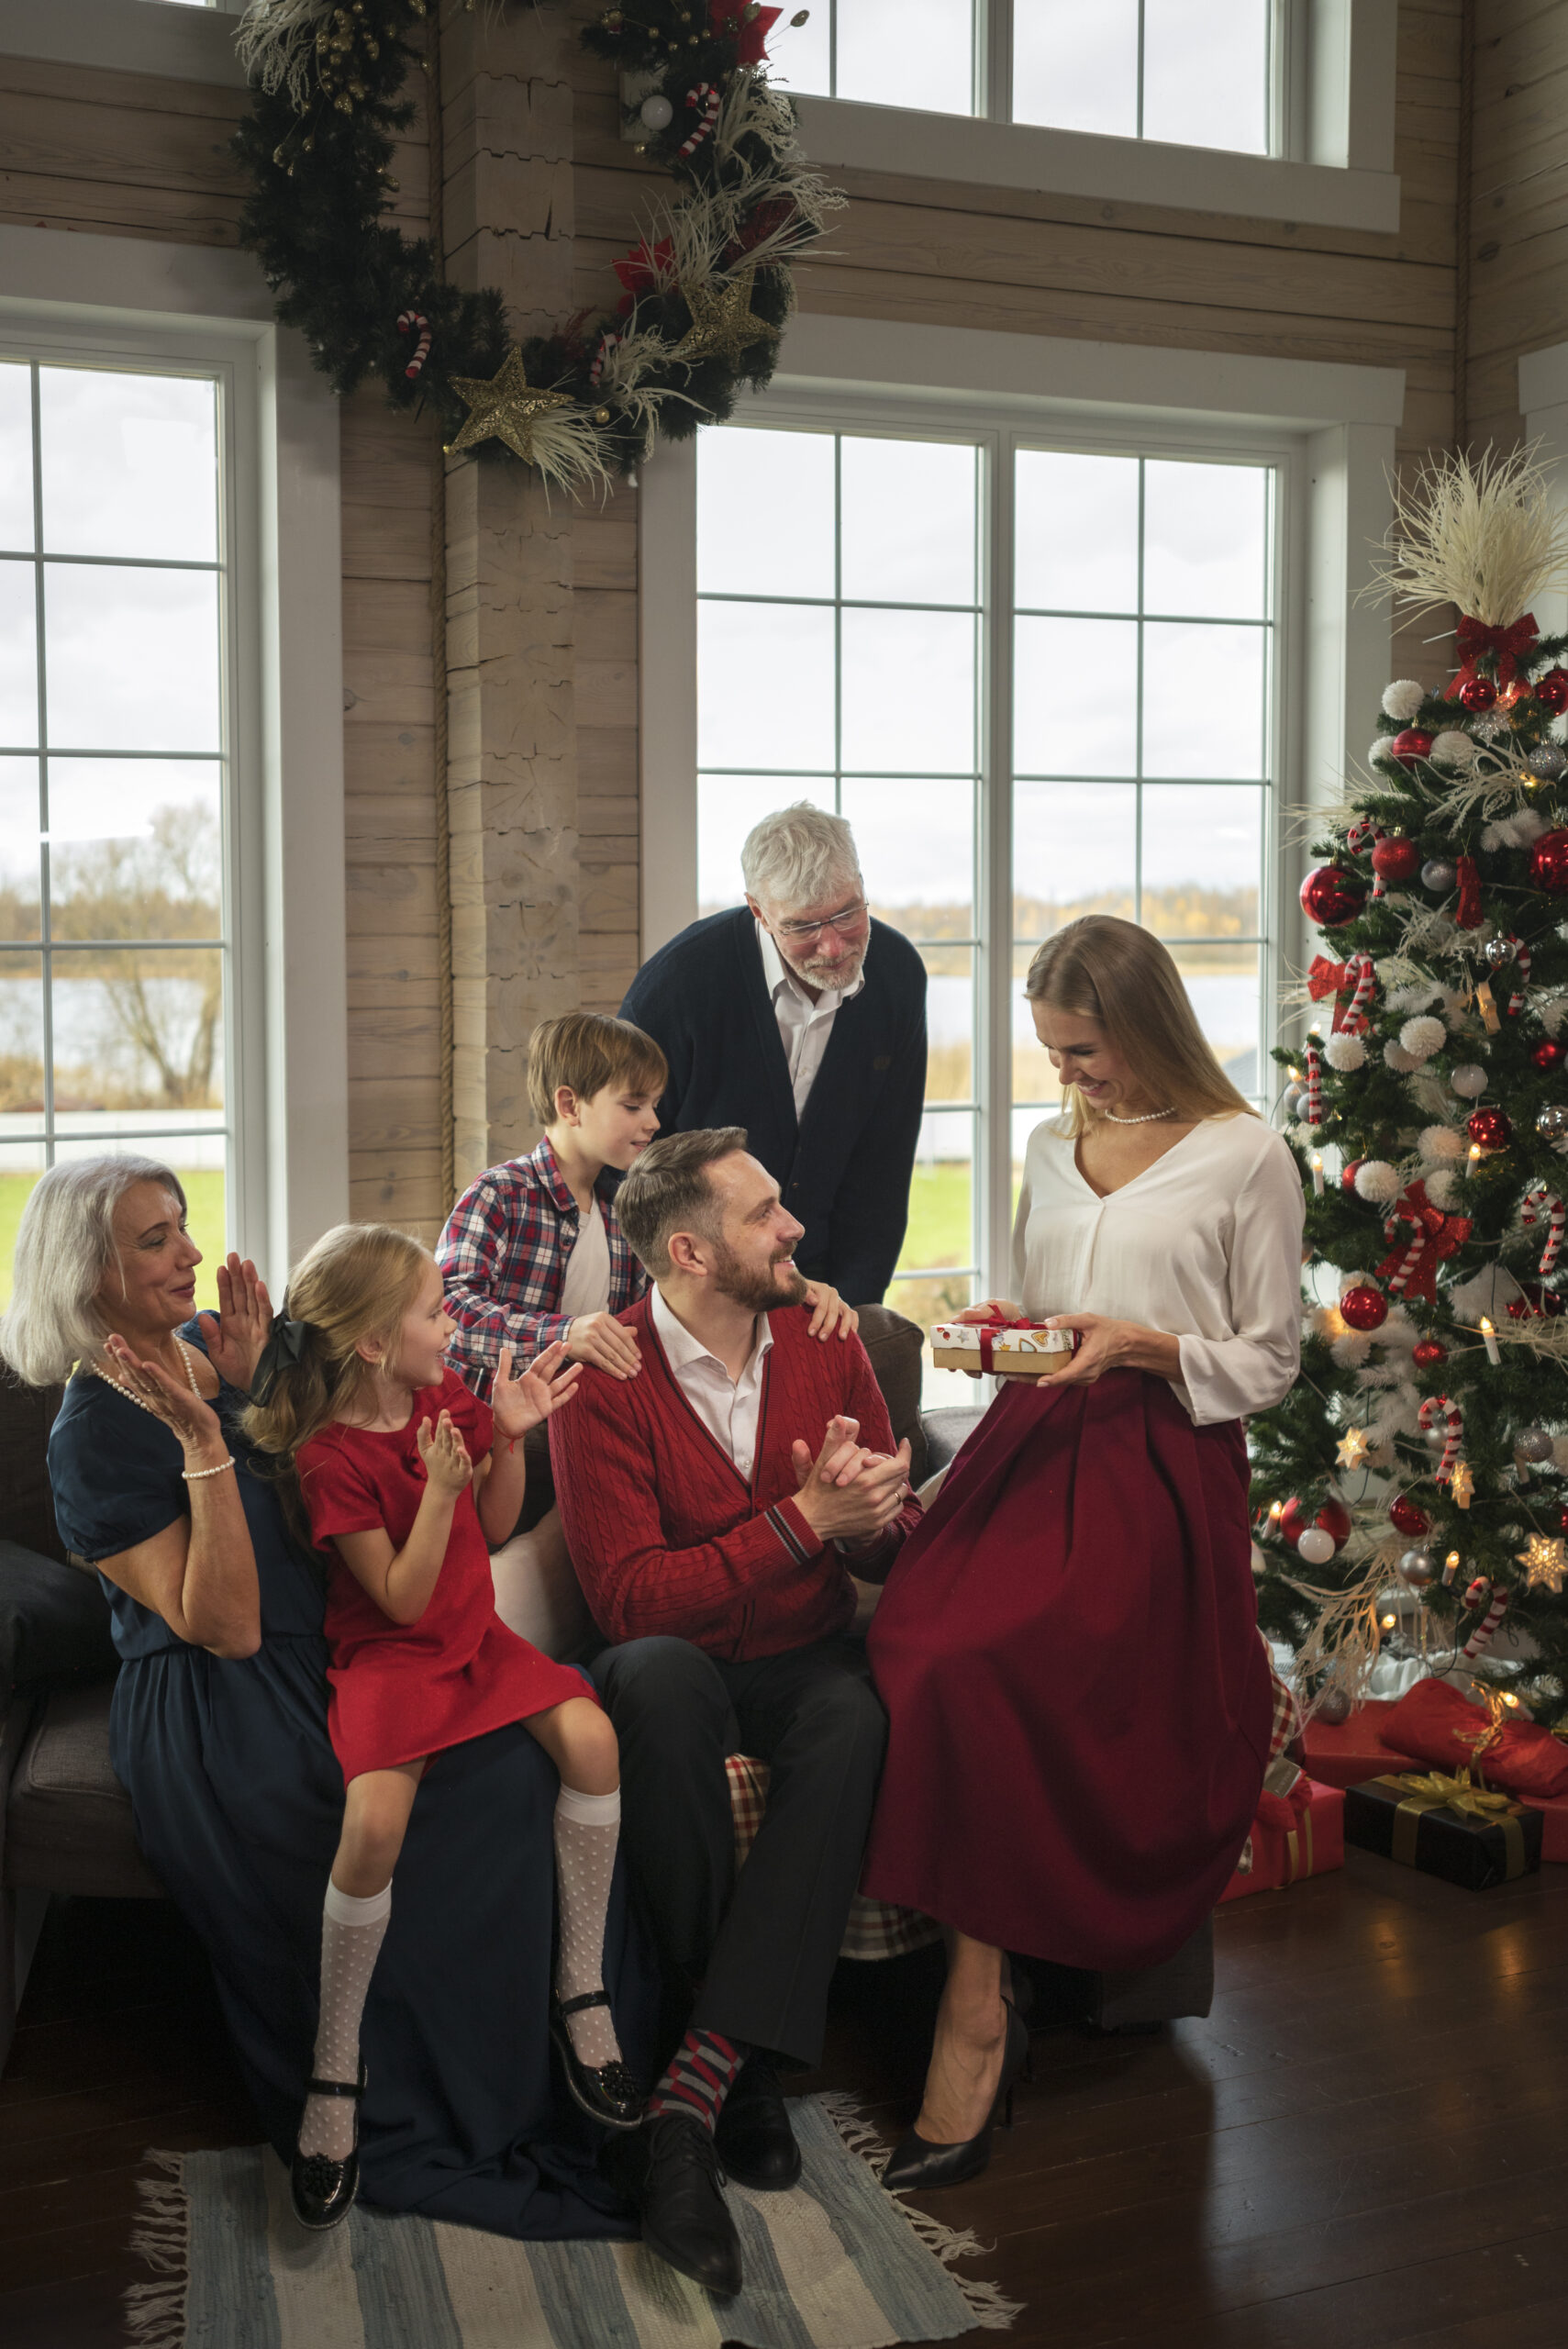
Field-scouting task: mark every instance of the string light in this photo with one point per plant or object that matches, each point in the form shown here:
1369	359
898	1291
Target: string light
1317	1174
1489	1340
1470	1163
1389	1621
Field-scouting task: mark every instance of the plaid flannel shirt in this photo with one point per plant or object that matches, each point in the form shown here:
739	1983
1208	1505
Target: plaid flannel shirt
503	1257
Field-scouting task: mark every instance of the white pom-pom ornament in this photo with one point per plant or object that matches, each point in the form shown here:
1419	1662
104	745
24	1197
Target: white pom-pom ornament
1315	1548
1345	1053
1441	1142
1469	1080
1528	826
1376	1181
1453	749
1395	1057
1441	1187
1423	1036
1402	701
1350	1351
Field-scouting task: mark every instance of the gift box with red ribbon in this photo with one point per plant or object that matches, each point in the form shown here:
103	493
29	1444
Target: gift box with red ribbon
1020	1349
1297	1834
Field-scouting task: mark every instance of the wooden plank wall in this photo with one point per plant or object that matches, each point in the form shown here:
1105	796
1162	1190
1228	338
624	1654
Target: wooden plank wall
1519	214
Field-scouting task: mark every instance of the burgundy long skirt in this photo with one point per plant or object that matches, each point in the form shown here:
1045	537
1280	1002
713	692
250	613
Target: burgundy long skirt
1079	1701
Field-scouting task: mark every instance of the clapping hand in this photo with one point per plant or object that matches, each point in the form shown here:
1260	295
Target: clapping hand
522	1403
849	1493
444	1454
235	1335
192	1419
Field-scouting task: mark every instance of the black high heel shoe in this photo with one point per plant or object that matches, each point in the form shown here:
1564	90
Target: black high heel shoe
606	2092
324	2190
914	2163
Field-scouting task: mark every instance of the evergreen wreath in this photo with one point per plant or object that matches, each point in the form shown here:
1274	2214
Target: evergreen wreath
705	295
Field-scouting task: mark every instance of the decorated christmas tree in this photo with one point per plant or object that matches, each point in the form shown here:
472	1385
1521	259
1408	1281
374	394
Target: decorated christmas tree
1412	1488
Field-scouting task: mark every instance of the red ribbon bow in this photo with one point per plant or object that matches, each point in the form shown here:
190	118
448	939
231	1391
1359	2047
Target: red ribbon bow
750	27
1441	1235
647	271
1508	647
1325	979
996	1323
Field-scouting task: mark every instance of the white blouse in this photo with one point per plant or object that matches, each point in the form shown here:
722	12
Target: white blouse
1205	1246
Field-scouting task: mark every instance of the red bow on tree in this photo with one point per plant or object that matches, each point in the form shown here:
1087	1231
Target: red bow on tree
749	26
1508	647
1434	1235
1325	977
645	271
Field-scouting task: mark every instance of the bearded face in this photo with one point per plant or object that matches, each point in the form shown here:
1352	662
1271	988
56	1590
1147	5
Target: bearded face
759	1288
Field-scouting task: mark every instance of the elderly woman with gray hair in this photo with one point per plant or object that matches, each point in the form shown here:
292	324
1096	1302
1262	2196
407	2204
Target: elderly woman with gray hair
801	1018
218	1731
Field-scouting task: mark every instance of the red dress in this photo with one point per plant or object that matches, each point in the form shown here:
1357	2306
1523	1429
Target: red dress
404	1690
1079	1702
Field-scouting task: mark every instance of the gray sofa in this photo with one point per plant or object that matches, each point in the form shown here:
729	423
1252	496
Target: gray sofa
65	1819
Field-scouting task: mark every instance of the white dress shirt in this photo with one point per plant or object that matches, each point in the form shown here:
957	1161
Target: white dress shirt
804	1026
728	1408
586	1283
1204	1245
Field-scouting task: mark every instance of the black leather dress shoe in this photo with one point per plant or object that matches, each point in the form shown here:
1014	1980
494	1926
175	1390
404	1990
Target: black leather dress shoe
323	2190
670	2170
755	2142
607	2093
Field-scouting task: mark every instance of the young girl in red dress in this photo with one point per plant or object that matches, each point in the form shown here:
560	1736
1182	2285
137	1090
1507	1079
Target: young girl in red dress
406	1479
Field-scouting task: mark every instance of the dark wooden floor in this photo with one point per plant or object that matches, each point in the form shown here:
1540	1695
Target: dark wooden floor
1364	2143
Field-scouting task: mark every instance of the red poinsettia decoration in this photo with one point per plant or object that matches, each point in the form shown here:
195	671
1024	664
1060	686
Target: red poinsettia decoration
644	270
749	24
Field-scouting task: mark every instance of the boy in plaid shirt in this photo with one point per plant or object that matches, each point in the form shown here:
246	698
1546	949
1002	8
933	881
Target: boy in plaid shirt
532	1251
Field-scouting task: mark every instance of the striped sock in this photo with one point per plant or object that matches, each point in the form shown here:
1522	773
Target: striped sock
699	2076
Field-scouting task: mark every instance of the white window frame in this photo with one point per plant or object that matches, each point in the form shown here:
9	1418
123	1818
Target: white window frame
1329	429
1543	404
103	298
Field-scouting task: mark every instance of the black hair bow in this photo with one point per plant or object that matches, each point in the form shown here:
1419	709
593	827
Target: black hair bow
284	1348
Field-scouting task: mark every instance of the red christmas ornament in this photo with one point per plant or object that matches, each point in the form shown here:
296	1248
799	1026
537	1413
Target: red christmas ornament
1518	1309
1551	691
1405	1517
1549	863
1426	1352
1548	1302
1348	1179
1411	746
1478	692
1330	895
1396	859
1562	1520
1546	1054
1363	1307
1490	1128
1334	1519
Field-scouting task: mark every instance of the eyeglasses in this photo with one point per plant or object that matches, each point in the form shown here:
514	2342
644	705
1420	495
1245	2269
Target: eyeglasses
848	918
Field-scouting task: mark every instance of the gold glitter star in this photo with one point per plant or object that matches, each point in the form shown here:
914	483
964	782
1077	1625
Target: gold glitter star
506	407
1545	1562
723	325
1354	1445
1461	1483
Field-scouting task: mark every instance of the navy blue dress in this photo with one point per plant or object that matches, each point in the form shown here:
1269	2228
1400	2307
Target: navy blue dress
239	1802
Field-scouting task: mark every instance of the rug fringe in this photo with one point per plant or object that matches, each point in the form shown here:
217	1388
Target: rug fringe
155	2314
989	2306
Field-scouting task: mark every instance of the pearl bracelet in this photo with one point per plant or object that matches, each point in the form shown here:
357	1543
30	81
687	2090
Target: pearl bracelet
194	1476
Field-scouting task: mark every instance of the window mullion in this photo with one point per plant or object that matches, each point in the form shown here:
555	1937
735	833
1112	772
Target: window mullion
994	1174
46	964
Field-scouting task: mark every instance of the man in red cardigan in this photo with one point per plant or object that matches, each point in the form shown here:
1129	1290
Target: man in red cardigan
726	1513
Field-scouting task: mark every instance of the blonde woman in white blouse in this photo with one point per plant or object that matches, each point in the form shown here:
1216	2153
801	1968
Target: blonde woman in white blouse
1079	1705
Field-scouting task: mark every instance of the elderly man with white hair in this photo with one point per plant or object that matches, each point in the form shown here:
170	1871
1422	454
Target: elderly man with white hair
802	1019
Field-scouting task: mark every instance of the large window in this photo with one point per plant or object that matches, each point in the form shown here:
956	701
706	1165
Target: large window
1196	73
114	922
858	622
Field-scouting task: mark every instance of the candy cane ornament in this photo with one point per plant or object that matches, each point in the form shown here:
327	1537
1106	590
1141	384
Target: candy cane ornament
1356	1019
1485	1631
1521	965
606	344
707	97
1438	1407
415	321
1360	831
1314	1085
1550	1204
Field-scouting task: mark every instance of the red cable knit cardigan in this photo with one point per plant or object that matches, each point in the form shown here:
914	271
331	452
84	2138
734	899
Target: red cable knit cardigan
665	1532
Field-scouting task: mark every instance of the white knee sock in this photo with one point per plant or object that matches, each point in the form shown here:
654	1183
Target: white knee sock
587	1829
351	1934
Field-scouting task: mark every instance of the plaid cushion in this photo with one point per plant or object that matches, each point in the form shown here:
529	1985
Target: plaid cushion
1287	1714
875	1929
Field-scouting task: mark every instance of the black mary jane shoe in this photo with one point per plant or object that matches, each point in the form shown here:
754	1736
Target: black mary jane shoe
607	2093
669	2170
755	2142
918	2165
324	2190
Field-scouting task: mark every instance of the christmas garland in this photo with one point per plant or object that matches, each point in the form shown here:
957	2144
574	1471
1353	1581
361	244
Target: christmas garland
705	295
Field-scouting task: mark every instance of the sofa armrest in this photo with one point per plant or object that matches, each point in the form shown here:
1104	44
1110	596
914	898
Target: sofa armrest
54	1621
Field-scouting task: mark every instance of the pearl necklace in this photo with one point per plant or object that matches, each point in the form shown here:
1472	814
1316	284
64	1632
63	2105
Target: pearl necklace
1147	1119
129	1392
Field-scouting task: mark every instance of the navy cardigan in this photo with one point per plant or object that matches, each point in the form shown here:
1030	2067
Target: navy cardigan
844	1168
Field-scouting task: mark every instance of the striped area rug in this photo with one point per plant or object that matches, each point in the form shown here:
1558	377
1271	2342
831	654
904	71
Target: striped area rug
837	2264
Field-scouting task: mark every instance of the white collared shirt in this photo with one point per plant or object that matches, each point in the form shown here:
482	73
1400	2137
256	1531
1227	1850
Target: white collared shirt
804	1026
728	1408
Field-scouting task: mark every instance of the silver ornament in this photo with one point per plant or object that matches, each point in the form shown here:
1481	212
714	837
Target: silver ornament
1469	1080
1333	1706
1550	762
1533	1444
1417	1569
1439	875
1294	1094
1497	953
1551	1123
